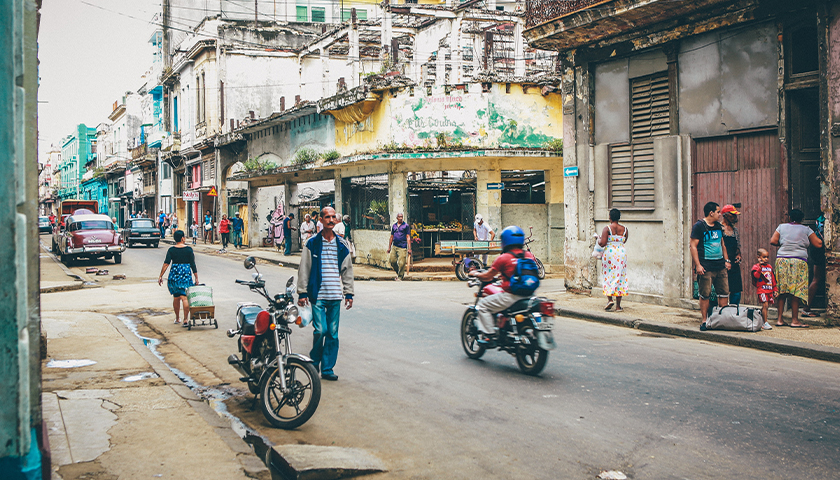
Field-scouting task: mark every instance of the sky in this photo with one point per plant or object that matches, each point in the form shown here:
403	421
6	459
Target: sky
89	57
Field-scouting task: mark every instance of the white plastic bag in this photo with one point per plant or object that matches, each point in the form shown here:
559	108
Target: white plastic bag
597	250
305	313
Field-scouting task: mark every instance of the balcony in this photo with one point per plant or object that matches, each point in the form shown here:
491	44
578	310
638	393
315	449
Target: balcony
171	143
143	155
613	25
541	11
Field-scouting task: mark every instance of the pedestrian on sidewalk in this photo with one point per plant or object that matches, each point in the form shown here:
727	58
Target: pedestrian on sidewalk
307	229
325	277
287	234
399	247
793	240
238	226
162	224
733	247
208	227
224	232
765	285
348	236
173	221
711	262
182	259
482	232
614	261
816	264
194	231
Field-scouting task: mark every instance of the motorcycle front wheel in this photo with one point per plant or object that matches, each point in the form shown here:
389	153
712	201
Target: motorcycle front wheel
469	335
530	357
291	409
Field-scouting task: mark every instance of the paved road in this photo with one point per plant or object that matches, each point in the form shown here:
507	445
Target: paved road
610	398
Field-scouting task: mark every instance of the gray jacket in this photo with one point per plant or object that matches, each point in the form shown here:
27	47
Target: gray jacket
309	271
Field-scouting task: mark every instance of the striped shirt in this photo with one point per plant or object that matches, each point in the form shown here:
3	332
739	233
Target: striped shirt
331	288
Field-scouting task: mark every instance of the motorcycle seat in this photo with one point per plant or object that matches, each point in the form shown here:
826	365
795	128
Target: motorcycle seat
520	306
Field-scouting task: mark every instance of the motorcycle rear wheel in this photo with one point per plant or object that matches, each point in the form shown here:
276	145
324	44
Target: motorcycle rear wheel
463	272
469	335
530	358
540	268
299	404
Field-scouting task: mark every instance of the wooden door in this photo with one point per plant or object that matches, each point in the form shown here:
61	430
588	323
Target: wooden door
744	170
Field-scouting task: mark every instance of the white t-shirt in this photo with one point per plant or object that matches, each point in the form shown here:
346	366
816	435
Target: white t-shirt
338	229
482	231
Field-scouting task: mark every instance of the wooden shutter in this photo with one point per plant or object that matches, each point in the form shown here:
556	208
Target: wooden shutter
318	14
650	115
632	175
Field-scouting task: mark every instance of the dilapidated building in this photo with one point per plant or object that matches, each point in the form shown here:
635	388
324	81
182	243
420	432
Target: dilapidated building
668	105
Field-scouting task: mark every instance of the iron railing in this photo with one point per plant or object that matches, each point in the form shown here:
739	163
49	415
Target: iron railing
539	11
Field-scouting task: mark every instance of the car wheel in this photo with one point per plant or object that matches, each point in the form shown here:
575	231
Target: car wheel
156	244
117	258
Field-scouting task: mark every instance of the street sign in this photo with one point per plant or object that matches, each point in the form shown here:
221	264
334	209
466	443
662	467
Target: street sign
496	186
190	196
212	192
570	171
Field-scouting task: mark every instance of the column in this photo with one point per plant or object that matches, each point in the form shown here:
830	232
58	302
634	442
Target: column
252	233
518	50
339	194
489	202
397	194
455	46
556	212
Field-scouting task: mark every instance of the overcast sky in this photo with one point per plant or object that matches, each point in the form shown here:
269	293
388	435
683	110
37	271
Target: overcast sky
89	57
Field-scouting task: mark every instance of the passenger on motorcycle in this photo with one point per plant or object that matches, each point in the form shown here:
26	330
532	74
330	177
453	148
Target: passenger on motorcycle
513	238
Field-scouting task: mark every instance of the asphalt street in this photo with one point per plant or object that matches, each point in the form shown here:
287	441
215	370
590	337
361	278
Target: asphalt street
610	398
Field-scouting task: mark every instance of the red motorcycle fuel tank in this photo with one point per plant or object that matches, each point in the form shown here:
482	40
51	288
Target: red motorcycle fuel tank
492	289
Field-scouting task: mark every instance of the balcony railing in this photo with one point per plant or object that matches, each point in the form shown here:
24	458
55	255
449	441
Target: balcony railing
540	11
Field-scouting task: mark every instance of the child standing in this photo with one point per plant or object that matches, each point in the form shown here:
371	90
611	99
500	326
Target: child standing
765	284
194	232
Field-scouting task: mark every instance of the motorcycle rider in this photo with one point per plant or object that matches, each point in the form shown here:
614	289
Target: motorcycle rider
513	239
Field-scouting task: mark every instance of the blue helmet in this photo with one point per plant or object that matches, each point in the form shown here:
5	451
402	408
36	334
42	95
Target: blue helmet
512	236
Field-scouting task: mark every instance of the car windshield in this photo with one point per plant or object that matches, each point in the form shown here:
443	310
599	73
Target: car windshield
142	224
91	225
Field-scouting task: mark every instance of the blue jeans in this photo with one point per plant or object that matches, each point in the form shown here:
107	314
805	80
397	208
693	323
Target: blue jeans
288	242
237	238
325	341
735	298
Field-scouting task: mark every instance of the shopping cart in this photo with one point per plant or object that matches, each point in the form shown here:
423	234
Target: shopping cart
202	311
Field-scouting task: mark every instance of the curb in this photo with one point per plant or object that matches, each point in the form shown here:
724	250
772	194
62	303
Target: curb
786	347
251	464
79	278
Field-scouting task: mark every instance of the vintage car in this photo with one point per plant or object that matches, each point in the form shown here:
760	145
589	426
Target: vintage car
87	235
141	230
44	225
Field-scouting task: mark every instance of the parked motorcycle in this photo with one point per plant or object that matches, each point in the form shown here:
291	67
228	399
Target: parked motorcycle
524	329
471	261
288	400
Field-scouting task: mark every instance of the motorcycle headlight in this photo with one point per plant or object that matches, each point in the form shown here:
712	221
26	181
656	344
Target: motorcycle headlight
291	314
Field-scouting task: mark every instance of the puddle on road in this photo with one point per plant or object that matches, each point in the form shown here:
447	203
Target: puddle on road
215	396
70	363
140	376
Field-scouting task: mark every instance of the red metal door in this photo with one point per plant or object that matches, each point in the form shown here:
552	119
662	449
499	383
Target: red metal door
745	169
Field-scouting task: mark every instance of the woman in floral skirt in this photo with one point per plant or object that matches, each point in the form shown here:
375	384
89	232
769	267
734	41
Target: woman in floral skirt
614	261
181	274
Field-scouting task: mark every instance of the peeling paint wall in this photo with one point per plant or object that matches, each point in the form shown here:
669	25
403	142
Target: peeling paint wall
282	141
494	119
831	176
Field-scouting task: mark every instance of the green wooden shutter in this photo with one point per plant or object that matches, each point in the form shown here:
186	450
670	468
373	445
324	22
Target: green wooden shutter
302	14
319	14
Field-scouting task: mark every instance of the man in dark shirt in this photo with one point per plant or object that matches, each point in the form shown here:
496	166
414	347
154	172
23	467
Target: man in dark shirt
399	246
238	225
287	233
711	262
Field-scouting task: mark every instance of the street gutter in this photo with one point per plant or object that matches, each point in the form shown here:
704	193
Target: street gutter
737	339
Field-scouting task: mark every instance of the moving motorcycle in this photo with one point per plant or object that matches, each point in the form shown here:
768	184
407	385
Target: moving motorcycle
471	261
288	400
524	329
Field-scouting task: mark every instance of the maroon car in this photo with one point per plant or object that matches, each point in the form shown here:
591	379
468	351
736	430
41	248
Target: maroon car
88	236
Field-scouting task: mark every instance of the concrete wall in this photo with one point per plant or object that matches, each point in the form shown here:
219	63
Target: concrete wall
266	199
729	81
312	131
524	216
371	246
831	161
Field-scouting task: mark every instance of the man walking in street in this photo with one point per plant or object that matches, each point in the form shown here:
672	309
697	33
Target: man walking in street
238	226
710	259
483	232
162	224
399	246
287	233
325	277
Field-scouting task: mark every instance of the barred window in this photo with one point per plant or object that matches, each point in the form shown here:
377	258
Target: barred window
367	199
632	164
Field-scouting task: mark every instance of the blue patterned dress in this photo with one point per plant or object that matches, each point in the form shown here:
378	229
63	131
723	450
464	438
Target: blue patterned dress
182	262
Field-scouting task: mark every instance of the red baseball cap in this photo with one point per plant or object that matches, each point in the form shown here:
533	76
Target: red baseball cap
729	209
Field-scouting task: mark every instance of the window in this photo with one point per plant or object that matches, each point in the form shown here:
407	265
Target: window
302	14
804	50
632	164
166	171
175	113
523	186
360	14
318	14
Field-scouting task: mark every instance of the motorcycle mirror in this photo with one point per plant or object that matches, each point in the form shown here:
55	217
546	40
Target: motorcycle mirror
249	262
290	282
